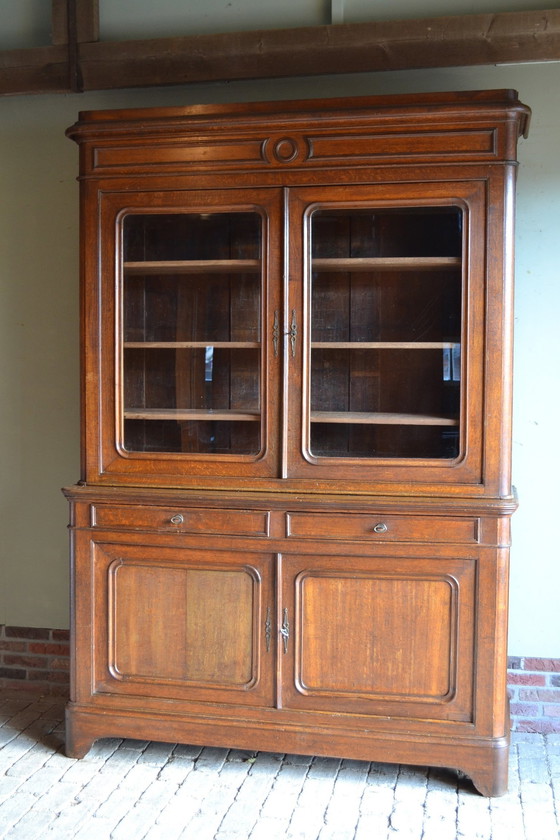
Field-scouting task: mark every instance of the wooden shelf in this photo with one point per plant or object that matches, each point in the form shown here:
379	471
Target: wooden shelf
191	267
380	418
386	264
190	414
186	345
384	345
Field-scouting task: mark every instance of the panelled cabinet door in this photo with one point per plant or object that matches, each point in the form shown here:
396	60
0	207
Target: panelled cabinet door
380	636
387	298
182	624
188	333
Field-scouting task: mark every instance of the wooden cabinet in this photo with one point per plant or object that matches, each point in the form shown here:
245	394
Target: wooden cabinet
375	635
181	622
292	526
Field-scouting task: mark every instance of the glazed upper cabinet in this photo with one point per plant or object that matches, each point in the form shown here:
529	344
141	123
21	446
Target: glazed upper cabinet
390	293
190	353
309	334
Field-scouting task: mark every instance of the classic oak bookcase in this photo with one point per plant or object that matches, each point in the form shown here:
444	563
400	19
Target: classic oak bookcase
291	531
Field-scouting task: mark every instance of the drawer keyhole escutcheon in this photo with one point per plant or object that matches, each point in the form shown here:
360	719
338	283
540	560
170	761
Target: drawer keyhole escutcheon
177	519
380	528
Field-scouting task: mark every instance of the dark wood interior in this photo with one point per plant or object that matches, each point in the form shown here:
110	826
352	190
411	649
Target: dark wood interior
385	321
192	325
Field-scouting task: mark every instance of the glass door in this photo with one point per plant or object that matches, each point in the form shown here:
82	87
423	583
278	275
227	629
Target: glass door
387	296
190	353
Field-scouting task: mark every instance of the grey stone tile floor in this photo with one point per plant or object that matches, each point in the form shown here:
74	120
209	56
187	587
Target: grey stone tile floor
140	790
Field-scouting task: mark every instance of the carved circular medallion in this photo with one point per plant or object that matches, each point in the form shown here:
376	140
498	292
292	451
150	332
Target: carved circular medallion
285	149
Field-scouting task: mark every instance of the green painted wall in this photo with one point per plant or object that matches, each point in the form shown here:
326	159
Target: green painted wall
39	389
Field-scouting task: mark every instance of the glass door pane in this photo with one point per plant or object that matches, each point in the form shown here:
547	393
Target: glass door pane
191	327
386	307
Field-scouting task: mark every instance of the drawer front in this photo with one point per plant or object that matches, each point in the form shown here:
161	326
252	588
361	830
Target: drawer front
179	519
366	526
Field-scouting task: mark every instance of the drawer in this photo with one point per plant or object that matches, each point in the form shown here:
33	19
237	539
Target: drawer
366	526
180	519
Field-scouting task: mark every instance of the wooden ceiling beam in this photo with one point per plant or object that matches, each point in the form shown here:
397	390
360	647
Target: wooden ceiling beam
466	40
35	70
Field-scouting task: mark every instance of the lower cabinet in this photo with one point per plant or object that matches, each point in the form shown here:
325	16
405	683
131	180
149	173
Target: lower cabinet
380	635
182	623
376	649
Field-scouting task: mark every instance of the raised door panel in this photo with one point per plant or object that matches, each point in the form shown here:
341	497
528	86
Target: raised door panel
381	636
387	360
183	624
182	370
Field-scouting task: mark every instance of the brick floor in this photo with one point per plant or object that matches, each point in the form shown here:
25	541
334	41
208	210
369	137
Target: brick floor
139	790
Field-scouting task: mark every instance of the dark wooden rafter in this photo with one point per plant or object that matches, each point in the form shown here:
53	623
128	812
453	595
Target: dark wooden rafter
54	68
75	18
75	22
77	60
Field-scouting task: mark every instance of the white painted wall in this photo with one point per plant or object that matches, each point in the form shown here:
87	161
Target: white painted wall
39	434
